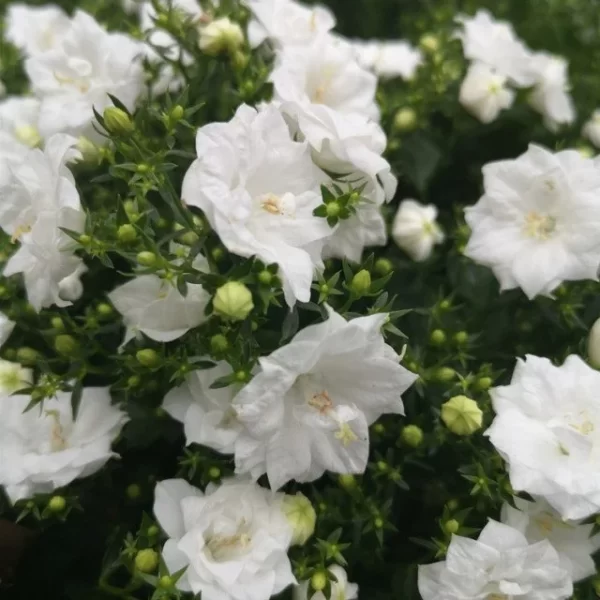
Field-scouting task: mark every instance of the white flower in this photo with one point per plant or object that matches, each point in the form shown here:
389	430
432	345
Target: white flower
571	539
324	74
6	328
19	118
207	414
550	96
35	29
14	377
415	229
536	224
388	59
220	35
499	564
495	44
156	308
39	199
340	589
287	23
80	71
591	129
547	428
258	190
233	539
309	408
484	93
44	448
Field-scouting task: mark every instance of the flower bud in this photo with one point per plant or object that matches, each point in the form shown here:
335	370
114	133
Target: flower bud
265	277
233	301
146	560
333	209
57	323
57	504
219	343
347	481
28	135
165	582
147	357
117	121
429	42
70	288
594	345
461	415
405	119
214	472
444	374
437	337
361	283
66	345
461	337
301	516
383	266
147	259
104	309
451	526
484	383
412	436
126	233
318	581
13	377
177	112
133	491
27	356
221	35
90	153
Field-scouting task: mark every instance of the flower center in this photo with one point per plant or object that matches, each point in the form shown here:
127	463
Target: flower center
226	547
494	88
229	418
497	597
272	204
345	434
79	84
321	402
58	441
540	227
19	231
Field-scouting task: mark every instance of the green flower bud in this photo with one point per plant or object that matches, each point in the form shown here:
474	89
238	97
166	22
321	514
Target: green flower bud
85	240
379	428
461	337
27	356
221	35
241	376
217	253
117	121
319	581
219	344
214	472
301	516
437	337
233	301
383	266
57	504
445	305
347	481
189	238
412	436
148	357
461	415
146	560
66	345
104	309
165	582
134	381
126	233
451	526
379	523
484	383
177	112
361	283
265	277
130	208
445	374
147	259
143	168
429	42
333	209
133	491
405	119
57	323
452	504
153	530
90	153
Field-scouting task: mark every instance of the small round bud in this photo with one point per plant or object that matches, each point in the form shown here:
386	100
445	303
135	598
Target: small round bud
117	121
133	491
147	259
379	428
219	344
452	504
90	153
57	323
153	530
383	266
412	436
66	345
405	119
379	523
130	207
361	283
319	581
445	305
57	504
85	240
241	376
221	35
347	481
437	337
593	346
177	112
165	582
429	42
104	309
462	415
217	253
301	517
147	357
126	233
134	381
382	466
451	526
445	374
27	356
484	383
265	277
233	301
461	337
146	560
333	209
214	472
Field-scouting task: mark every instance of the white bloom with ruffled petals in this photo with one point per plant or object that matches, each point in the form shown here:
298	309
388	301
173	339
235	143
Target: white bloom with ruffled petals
14	377
258	190
388	59
572	540
19	118
416	230
45	448
500	564
547	428
536	224
341	589
309	408
232	540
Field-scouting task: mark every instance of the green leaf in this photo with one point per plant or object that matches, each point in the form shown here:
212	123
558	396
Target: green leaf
420	158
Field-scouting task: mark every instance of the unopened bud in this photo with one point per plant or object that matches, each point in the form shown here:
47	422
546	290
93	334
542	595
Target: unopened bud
177	112
462	415
461	337
219	343
126	233
146	560
147	259
484	383
412	436
437	337
90	153
221	35
233	301
66	345
361	283
405	119
318	581
27	356
147	357
333	209
70	287
451	526
444	374
117	121
57	504
133	491
347	481
383	266
301	516
429	42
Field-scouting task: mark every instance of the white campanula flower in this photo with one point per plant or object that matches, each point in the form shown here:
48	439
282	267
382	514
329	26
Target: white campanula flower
13	377
499	564
233	539
6	328
341	589
78	73
484	92
207	414
495	44
287	22
45	448
258	190
572	540
19	118
547	428
155	307
591	129
536	224
309	408
416	230
40	198
35	29
388	59
550	96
